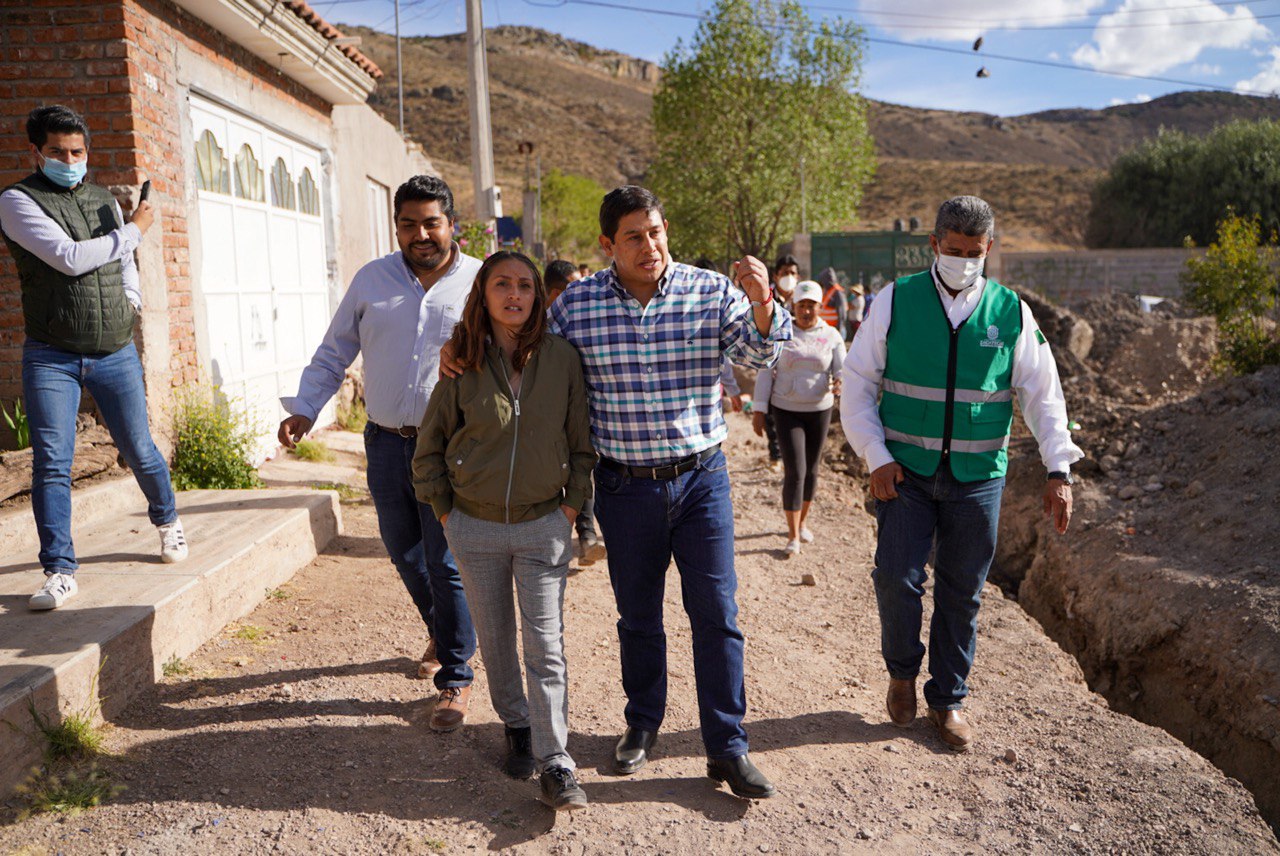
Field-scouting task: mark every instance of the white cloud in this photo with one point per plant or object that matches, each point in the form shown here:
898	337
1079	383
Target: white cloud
1142	98
1204	69
1267	79
965	20
1055	56
1170	36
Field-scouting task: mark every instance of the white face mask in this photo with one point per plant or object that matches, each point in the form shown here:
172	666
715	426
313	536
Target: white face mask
958	272
788	283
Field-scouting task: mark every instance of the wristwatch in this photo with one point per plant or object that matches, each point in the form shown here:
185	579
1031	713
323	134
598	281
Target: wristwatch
1060	476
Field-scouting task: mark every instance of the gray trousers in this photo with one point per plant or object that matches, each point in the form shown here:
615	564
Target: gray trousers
535	556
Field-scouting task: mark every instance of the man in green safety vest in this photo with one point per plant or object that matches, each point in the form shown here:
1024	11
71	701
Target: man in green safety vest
928	403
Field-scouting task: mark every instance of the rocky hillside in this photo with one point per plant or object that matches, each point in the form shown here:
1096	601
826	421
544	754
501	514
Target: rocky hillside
587	112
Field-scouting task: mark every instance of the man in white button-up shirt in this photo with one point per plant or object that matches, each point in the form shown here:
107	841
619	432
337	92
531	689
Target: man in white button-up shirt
398	311
928	402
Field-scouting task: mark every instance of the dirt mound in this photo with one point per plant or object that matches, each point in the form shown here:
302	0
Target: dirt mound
1168	589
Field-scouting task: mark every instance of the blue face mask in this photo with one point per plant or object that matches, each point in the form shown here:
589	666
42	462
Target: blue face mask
64	174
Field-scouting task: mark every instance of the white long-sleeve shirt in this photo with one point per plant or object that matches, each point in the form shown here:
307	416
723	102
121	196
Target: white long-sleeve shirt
28	226
1035	380
400	328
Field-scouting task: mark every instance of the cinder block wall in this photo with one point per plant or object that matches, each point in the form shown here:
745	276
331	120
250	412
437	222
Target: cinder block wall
115	61
1069	277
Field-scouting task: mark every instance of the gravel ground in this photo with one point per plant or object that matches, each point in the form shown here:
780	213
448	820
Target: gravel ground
312	738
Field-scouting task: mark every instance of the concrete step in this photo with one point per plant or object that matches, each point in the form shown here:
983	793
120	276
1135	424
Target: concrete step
133	613
89	504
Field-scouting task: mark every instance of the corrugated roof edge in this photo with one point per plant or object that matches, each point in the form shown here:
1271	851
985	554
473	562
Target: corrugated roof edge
304	11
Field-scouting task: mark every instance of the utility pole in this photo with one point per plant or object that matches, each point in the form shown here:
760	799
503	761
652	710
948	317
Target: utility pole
399	70
488	197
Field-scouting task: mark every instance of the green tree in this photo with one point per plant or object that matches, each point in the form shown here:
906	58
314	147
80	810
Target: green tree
759	98
1178	186
1237	283
570	215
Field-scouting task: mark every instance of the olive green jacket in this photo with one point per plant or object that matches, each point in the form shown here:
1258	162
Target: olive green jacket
502	458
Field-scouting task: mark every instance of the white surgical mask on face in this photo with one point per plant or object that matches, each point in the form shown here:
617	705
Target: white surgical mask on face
787	284
958	272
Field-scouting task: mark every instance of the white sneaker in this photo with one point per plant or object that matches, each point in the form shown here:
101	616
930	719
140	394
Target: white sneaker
173	543
56	589
806	535
792	548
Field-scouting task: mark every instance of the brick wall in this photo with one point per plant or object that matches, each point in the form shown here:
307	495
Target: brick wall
115	62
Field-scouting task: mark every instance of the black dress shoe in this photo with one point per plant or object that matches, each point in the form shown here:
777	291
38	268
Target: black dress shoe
633	750
519	763
744	779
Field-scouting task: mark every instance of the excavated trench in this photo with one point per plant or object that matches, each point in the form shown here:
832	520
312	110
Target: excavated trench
1167	589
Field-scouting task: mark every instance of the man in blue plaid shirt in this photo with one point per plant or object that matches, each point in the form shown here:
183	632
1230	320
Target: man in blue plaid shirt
653	334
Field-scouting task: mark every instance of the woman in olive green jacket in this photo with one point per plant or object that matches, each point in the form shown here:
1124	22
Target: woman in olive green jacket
504	458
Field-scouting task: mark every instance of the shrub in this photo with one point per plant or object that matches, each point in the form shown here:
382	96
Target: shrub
353	418
1237	283
214	442
69	793
474	238
17	422
313	450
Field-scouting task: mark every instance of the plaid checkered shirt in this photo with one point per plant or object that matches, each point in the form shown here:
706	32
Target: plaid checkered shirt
653	372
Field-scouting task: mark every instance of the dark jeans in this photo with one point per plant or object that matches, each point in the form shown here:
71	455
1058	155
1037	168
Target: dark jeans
51	381
771	435
646	522
801	437
416	544
962	518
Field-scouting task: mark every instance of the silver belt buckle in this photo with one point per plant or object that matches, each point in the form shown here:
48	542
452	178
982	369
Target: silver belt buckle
401	429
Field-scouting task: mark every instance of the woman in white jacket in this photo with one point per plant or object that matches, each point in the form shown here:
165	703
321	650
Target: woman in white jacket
800	392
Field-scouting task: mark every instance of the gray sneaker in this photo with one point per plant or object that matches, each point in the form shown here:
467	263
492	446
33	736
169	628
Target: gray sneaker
55	591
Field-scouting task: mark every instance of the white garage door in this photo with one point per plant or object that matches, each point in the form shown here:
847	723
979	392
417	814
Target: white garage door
263	273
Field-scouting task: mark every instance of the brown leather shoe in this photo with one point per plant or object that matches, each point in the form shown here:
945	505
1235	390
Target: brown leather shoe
451	708
901	701
954	730
430	663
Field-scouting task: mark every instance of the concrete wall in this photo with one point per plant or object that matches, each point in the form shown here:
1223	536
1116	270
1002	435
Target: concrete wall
366	147
1069	277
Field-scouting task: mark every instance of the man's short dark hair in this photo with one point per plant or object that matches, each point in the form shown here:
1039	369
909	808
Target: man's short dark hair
558	273
784	260
620	202
54	119
707	264
426	188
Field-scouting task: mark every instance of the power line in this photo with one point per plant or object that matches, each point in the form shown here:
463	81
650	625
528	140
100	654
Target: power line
914	46
981	23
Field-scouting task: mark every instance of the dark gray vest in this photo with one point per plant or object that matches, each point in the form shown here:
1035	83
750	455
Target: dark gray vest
86	314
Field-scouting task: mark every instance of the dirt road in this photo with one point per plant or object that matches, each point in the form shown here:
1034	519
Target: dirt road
312	737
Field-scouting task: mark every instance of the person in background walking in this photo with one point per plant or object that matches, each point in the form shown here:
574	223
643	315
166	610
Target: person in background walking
80	298
800	392
834	308
504	458
399	310
557	277
857	308
560	274
786	275
928	403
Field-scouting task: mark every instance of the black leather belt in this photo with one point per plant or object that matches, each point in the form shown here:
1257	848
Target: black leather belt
662	472
403	431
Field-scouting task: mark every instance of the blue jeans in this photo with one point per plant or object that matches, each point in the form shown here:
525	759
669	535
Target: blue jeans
416	544
645	522
961	517
51	382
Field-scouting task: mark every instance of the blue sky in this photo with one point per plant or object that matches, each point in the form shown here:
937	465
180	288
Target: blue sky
1232	46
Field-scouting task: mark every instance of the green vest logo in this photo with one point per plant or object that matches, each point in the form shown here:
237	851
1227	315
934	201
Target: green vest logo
993	339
